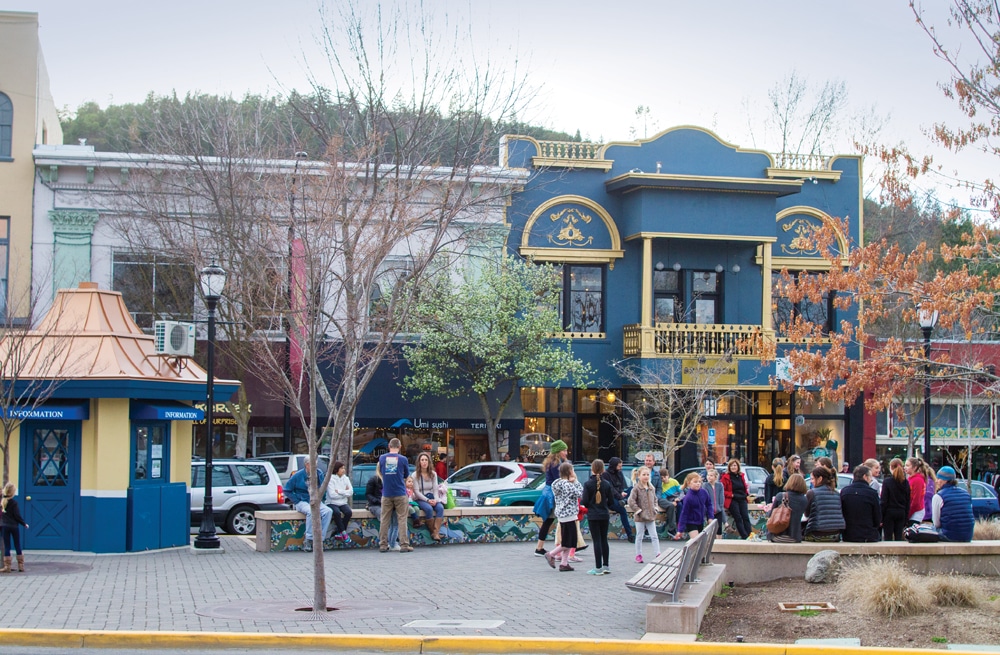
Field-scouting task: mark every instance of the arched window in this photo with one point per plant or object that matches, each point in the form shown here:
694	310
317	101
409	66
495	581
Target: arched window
6	125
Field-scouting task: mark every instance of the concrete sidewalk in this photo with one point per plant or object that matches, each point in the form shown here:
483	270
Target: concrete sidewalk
241	590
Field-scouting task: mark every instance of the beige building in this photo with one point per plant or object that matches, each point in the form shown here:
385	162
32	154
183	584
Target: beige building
27	117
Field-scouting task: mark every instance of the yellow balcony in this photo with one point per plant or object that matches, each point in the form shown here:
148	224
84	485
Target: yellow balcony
689	339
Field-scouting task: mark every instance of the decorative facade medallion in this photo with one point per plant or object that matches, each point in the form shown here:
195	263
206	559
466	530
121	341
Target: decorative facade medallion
802	242
569	233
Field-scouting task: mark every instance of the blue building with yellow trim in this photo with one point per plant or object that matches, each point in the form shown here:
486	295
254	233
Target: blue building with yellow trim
669	249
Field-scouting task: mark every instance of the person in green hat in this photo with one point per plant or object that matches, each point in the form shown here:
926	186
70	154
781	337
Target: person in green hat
558	453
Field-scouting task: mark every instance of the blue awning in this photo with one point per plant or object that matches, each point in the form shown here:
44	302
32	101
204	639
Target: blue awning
370	447
164	411
79	411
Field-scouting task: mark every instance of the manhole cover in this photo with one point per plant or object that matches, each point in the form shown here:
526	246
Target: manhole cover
289	610
452	623
33	567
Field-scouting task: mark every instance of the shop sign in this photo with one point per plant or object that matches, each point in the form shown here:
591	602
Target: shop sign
713	371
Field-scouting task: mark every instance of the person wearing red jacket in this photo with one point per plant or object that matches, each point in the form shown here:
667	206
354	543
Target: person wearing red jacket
736	488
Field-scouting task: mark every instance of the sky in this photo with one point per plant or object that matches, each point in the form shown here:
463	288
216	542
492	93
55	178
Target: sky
592	62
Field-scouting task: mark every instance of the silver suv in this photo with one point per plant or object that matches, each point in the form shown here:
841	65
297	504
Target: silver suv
239	488
288	464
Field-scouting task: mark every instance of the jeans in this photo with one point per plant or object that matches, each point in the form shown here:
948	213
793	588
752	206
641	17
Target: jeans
8	535
643	526
341	515
325	516
619	507
893	525
431	511
400	506
741	516
599	535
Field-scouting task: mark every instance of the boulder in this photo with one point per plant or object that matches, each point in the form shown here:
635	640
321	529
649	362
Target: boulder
822	567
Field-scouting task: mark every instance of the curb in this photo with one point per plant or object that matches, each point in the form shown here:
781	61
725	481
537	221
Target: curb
405	643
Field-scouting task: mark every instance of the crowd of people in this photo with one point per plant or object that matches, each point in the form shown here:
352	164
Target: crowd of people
869	508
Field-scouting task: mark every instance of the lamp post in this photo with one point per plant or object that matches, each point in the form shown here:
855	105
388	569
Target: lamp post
213	278
928	319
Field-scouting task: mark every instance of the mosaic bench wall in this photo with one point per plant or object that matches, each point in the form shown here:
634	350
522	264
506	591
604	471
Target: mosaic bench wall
285	530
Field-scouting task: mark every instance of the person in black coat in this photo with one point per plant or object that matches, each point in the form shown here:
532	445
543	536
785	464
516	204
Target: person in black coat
614	476
10	520
895	502
597	496
862	508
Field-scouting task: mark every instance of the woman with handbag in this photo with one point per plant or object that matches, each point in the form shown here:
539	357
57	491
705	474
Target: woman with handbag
789	505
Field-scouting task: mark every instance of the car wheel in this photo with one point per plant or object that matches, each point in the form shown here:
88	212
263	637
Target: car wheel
241	520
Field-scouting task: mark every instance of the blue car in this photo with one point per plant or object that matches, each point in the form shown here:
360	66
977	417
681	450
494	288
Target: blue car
984	501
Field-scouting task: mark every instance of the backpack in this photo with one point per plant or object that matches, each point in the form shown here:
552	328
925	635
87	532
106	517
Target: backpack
921	533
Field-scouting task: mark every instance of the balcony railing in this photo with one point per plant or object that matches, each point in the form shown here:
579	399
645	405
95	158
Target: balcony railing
688	339
571	150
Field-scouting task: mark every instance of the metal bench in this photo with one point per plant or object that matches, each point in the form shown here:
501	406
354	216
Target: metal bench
673	567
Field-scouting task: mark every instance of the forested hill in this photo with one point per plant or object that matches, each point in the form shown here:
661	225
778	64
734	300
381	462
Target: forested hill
276	126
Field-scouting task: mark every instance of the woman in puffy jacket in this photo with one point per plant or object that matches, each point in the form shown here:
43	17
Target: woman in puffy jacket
737	490
339	495
824	513
895	501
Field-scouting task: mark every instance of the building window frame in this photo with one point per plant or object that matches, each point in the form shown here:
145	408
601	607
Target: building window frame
6	127
155	300
784	311
578	292
4	264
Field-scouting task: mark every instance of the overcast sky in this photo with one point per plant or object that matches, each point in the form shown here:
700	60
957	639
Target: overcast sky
703	63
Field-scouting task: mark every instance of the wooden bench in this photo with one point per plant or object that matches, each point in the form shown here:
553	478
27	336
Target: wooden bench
673	567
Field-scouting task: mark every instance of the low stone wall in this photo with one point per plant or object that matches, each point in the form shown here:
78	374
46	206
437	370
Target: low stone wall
761	561
285	530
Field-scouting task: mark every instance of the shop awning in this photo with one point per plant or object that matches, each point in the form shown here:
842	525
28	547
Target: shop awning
164	411
52	411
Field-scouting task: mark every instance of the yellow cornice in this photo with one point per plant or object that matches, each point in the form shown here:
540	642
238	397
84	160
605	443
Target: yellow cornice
700	237
557	162
602	256
792	184
803	174
799	263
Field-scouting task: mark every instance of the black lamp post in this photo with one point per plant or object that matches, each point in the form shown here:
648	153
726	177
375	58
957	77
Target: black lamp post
928	319
213	279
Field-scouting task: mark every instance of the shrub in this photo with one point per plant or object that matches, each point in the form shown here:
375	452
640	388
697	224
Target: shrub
956	591
986	530
885	587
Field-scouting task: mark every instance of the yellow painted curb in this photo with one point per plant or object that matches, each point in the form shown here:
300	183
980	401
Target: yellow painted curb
415	643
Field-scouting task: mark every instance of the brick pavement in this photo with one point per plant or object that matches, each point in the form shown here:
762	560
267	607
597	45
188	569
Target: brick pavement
166	590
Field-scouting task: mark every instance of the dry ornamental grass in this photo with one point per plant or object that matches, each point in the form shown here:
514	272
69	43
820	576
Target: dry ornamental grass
885	587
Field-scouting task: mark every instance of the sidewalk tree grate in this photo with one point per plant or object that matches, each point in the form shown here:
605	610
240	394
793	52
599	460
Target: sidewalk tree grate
338	609
453	623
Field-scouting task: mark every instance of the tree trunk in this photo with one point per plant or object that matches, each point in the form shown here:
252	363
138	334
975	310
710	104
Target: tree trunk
241	414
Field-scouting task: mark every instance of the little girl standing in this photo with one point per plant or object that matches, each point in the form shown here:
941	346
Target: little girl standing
567	492
696	510
10	519
642	504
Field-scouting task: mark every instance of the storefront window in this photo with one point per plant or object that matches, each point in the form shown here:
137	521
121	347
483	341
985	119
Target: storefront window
542	399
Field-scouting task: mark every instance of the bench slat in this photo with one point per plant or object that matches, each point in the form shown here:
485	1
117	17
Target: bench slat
659	579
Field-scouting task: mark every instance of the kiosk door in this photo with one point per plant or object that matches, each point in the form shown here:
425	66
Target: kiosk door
50	484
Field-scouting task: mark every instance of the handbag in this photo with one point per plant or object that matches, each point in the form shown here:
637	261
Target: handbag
449	503
781	517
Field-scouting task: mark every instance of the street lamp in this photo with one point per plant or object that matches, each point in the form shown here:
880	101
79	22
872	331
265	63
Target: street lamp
213	278
927	319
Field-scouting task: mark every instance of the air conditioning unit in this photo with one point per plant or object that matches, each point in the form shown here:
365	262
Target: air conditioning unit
173	338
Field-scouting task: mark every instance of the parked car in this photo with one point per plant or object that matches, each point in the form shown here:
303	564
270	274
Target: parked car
239	488
360	475
984	500
470	481
529	494
287	464
755	475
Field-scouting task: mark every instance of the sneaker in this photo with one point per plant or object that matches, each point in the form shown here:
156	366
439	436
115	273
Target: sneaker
595	572
540	552
575	559
582	548
551	560
638	559
606	571
565	567
307	545
394	549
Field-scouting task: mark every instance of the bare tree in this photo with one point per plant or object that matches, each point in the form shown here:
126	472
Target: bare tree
665	415
33	365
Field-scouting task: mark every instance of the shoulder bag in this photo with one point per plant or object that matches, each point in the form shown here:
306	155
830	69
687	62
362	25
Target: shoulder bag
781	517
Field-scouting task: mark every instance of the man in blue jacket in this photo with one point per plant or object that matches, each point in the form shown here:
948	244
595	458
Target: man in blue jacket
951	508
297	490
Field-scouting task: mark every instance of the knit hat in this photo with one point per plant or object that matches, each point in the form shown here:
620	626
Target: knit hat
558	446
946	473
